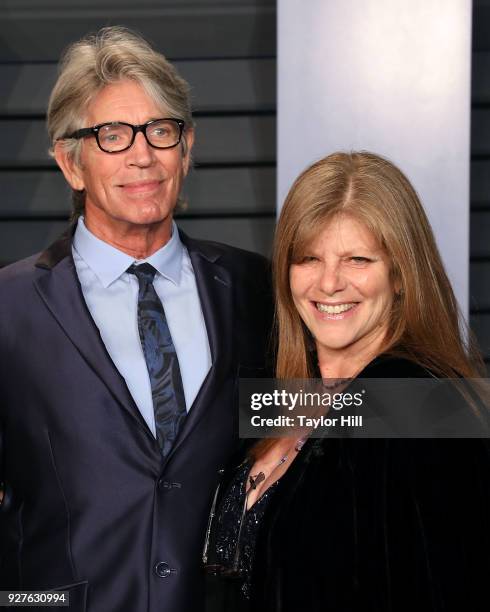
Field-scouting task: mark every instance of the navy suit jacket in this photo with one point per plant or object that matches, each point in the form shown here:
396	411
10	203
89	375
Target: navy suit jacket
90	505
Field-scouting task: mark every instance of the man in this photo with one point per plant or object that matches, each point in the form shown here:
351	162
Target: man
121	348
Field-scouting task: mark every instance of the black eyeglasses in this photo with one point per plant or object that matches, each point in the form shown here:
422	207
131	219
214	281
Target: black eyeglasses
118	136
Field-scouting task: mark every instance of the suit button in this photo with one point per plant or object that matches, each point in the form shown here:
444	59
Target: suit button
163	570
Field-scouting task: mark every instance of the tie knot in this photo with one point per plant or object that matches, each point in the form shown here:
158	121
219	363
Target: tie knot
144	272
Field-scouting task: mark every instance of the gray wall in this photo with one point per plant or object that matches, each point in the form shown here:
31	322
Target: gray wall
226	51
480	179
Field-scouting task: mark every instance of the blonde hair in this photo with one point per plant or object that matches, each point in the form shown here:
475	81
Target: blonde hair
425	320
108	56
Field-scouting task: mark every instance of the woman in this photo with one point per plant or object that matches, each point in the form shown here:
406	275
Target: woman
358	524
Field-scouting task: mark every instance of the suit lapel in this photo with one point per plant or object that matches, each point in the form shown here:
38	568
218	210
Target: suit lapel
214	284
60	290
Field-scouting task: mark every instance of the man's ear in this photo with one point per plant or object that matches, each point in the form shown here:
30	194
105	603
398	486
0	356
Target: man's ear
71	170
189	140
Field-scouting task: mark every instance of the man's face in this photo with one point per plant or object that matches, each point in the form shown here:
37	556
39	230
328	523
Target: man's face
131	189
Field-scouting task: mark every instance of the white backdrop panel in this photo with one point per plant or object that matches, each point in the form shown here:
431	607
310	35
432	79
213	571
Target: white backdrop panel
389	76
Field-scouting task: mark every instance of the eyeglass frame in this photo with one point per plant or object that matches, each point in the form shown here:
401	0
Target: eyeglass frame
94	131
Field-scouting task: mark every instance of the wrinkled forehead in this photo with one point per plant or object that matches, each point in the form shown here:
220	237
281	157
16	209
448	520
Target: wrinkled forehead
121	100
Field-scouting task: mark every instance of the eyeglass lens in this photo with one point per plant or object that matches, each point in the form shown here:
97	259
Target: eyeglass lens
117	137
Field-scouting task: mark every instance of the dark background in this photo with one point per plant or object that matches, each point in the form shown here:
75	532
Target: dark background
227	51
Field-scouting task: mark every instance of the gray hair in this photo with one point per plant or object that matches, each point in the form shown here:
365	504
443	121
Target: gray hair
108	56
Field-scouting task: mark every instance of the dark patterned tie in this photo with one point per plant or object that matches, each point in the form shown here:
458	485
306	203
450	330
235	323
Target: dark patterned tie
161	359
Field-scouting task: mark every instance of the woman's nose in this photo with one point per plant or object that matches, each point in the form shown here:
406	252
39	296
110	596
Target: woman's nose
331	279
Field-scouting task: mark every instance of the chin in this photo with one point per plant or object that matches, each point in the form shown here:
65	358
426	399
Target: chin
332	346
335	344
150	216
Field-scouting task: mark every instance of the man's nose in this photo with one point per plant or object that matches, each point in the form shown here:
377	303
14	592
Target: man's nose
141	153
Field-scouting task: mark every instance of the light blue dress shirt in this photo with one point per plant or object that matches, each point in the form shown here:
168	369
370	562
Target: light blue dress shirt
111	295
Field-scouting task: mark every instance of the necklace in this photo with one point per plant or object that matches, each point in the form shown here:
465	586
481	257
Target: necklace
256	479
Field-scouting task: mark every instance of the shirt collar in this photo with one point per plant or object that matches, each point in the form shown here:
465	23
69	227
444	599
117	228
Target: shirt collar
168	260
108	263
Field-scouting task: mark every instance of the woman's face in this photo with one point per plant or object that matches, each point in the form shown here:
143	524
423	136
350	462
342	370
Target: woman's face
343	290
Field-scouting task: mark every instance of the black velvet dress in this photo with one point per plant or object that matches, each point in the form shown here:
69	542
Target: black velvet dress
376	525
